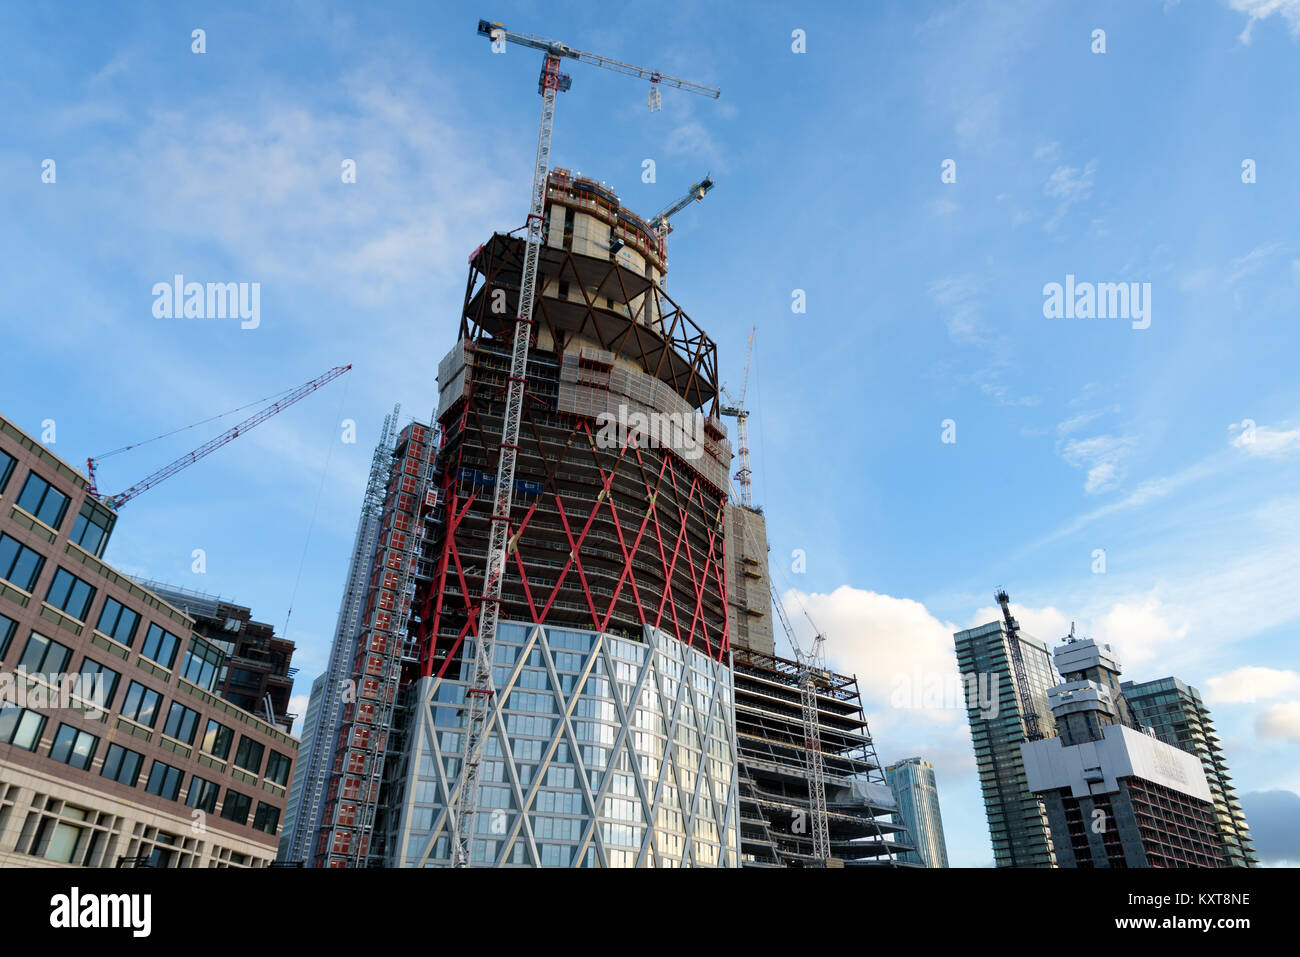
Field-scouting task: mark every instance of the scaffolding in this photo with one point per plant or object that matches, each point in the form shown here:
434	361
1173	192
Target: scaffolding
776	817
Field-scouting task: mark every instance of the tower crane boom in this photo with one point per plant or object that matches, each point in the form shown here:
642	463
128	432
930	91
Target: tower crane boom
207	448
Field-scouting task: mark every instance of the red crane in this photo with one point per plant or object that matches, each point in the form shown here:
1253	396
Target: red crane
189	458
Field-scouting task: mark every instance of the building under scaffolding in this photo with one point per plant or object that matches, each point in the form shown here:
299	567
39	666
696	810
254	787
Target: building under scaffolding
774	803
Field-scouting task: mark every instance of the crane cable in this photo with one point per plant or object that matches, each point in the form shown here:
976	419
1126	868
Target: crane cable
195	425
320	488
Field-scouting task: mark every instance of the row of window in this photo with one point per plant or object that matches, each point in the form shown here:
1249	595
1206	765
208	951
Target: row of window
39	498
74	747
143	705
73	596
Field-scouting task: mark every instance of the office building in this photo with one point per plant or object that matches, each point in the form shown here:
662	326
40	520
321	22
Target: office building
114	746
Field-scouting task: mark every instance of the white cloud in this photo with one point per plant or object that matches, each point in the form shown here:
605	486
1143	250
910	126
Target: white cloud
1068	185
1139	630
1101	457
298	706
1263	439
1253	261
1249	684
1257	10
1280	721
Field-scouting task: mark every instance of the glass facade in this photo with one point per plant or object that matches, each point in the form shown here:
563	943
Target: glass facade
913	784
602	751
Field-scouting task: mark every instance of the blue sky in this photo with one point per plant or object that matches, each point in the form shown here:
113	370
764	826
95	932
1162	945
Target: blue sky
1173	448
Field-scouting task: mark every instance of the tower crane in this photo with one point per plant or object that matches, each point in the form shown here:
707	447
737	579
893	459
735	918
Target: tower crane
659	222
207	448
1027	709
736	408
479	691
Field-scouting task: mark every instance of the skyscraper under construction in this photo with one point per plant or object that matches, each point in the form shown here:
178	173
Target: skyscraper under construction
613	732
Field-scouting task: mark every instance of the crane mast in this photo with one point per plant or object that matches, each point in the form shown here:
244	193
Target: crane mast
737	409
479	690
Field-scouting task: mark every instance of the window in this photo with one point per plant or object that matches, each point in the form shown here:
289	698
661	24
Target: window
160	646
202	662
21	728
18	563
164	781
70	594
267	818
141	704
96	676
8	627
181	723
74	747
44	656
235	807
90	530
277	768
203	794
7	463
43	500
249	755
122	765
118	622
217	739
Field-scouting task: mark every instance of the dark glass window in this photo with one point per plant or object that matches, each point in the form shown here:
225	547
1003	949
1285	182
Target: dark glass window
92	670
182	723
160	646
44	656
203	794
122	764
70	594
18	563
43	500
74	746
90	530
8	628
202	662
235	807
21	728
267	818
164	781
277	768
217	739
249	755
141	704
118	622
7	463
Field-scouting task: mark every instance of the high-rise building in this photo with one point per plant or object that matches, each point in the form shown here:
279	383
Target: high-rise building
1116	797
1177	715
111	734
913	784
297	786
317	766
257	671
1018	826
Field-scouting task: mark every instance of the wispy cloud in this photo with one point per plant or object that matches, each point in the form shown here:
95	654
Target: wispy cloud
1257	10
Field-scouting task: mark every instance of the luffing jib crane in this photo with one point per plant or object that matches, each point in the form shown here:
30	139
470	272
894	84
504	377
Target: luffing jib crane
188	459
659	222
1028	712
479	692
